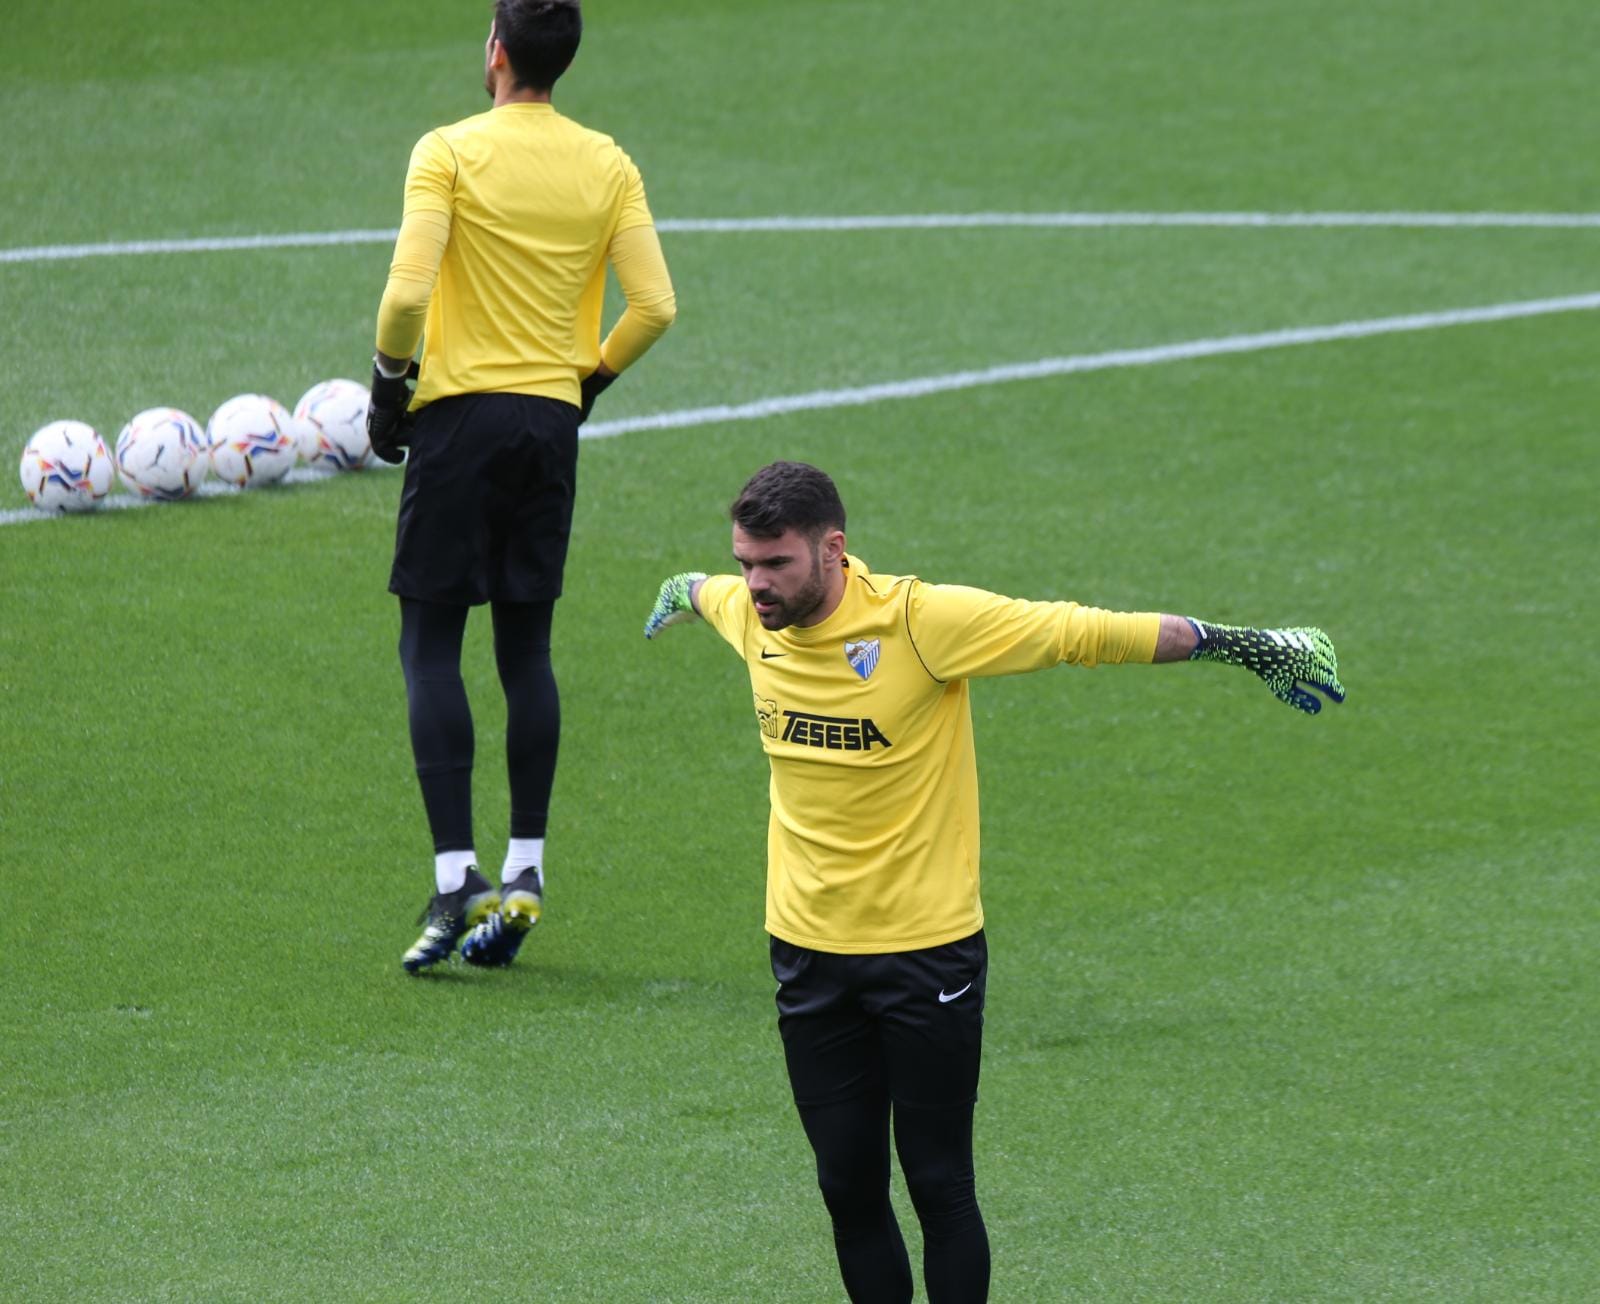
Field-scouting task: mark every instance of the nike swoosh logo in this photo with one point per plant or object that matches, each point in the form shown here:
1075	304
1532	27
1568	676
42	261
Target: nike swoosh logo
768	656
946	997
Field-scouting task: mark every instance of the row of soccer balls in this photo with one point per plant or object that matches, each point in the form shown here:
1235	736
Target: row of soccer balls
164	453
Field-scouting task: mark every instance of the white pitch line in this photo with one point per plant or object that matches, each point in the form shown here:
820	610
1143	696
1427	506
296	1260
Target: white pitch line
128	501
197	245
1043	368
955	221
865	222
1085	362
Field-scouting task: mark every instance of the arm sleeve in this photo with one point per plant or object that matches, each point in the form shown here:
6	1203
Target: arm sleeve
724	603
964	633
635	256
641	270
419	250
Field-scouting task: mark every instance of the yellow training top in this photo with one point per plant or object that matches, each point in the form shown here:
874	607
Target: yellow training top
510	218
865	719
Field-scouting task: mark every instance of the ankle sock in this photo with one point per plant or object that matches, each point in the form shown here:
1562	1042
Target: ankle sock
450	869
521	854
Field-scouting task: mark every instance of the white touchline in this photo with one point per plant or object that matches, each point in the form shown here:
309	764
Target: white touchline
1042	369
861	222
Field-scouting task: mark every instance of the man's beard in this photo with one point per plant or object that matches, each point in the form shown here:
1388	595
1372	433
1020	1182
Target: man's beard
798	608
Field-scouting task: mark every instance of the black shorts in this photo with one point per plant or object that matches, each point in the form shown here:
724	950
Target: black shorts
908	1023
486	510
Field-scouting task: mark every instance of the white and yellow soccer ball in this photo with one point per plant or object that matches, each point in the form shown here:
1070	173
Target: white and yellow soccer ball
252	441
162	453
66	467
336	413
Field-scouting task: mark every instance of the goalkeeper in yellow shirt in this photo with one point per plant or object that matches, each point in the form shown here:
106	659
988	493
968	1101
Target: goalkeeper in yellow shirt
859	690
511	220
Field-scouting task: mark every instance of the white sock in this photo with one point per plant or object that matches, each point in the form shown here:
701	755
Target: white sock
521	854
450	869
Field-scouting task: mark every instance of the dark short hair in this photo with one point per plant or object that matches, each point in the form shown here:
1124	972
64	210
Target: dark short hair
540	37
788	496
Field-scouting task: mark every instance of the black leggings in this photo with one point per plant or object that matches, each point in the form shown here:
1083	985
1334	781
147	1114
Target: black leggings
441	719
851	1141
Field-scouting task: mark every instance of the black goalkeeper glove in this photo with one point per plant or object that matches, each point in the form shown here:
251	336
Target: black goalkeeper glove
388	421
1289	661
593	385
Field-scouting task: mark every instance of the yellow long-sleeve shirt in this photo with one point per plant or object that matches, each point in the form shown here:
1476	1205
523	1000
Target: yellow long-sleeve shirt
511	218
872	845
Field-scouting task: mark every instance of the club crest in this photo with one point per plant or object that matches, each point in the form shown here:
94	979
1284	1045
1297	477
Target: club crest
862	656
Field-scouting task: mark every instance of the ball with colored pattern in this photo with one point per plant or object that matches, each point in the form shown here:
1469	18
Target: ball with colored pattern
66	467
336	412
162	453
252	441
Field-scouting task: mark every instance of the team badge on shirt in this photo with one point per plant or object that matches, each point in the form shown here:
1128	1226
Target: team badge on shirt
862	656
767	714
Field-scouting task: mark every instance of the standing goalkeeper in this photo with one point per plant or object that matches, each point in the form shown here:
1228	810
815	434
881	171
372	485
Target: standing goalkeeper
511	218
861	702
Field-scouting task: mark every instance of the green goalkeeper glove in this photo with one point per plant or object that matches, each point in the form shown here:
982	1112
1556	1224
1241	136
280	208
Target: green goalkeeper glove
1289	661
673	604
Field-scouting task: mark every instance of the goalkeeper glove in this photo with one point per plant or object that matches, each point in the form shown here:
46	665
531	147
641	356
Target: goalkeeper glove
674	604
1290	661
592	386
388	421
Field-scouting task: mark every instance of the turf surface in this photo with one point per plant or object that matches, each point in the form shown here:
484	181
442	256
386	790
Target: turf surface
1280	1008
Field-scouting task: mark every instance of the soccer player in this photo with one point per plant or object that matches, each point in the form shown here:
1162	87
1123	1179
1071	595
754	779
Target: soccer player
511	218
877	942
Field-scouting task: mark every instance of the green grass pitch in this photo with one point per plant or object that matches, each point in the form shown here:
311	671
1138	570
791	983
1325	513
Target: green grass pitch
1281	1009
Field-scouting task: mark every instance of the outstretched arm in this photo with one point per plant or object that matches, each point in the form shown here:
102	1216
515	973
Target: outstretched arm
965	633
676	602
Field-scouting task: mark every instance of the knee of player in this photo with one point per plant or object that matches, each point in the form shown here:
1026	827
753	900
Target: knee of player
853	1202
939	1177
946	1199
855	1190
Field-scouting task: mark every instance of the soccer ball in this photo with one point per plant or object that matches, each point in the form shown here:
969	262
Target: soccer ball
163	453
336	411
252	441
66	467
